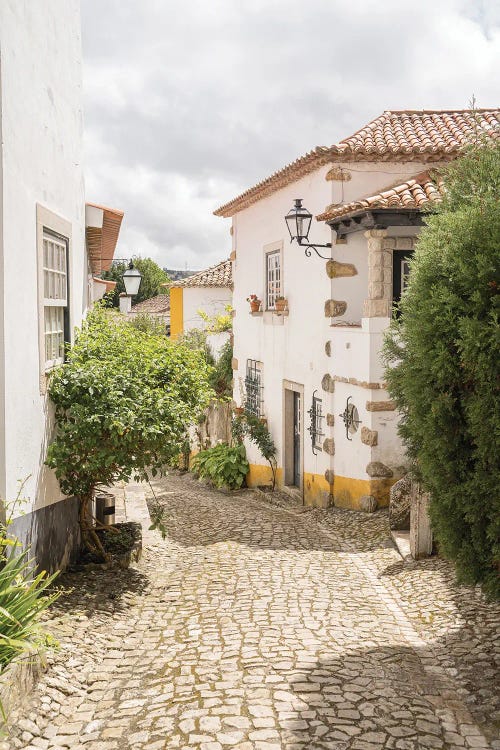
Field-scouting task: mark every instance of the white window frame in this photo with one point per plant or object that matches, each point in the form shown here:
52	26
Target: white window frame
52	228
273	270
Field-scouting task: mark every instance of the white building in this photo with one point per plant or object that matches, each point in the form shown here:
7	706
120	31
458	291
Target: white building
320	359
209	291
45	271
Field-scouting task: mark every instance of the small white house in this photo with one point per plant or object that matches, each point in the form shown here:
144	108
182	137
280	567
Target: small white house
46	273
314	370
209	291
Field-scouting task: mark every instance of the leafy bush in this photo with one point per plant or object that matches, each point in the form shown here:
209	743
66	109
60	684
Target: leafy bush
223	465
148	324
443	372
218	323
221	379
123	403
256	429
23	598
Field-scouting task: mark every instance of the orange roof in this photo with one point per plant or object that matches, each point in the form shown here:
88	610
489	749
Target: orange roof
412	194
101	241
220	275
154	305
425	135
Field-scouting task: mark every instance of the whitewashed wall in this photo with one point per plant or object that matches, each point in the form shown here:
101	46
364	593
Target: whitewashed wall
41	163
293	348
211	300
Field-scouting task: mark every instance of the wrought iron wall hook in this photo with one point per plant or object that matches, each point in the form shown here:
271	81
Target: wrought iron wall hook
308	248
349	419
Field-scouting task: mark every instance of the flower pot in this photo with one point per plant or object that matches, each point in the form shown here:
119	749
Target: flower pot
255	306
281	305
239	410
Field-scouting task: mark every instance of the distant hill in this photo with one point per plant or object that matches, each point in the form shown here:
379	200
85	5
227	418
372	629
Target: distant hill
176	275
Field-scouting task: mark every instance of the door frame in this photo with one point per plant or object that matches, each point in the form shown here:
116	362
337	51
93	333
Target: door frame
289	388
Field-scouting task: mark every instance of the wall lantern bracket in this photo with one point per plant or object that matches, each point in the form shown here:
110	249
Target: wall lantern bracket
298	221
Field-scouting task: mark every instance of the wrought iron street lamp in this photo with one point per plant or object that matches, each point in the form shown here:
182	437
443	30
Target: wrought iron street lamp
298	221
132	280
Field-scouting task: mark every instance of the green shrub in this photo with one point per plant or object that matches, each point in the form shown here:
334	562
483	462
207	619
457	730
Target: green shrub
443	365
221	379
225	466
22	600
256	429
23	597
124	401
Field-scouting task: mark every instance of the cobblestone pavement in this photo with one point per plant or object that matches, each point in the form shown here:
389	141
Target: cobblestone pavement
257	627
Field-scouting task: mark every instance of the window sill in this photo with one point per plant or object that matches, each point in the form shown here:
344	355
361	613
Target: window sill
256	314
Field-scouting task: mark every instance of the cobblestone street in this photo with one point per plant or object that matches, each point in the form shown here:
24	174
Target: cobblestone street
260	627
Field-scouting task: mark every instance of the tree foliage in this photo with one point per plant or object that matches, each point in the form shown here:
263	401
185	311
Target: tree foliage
123	403
443	372
151	283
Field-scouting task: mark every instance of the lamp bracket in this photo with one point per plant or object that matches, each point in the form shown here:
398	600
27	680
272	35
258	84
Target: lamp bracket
308	248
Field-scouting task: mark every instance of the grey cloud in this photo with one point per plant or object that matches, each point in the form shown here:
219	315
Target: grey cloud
208	98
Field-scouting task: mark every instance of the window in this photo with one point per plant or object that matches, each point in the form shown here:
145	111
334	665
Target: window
400	275
254	388
273	278
316	427
55	297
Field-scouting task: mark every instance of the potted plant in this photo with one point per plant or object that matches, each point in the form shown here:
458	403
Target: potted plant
255	303
281	304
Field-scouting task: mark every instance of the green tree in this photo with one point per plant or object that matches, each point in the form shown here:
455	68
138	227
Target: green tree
123	403
151	284
443	365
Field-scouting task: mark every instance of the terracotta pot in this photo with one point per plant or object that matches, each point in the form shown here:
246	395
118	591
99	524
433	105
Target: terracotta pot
255	306
239	410
281	305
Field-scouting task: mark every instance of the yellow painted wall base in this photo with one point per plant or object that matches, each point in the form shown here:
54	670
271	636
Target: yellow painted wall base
347	492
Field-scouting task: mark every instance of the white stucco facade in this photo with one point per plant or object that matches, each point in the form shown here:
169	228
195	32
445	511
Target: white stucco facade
333	356
41	188
210	300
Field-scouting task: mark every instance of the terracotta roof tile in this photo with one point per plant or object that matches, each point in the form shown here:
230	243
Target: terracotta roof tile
220	275
426	135
158	304
412	194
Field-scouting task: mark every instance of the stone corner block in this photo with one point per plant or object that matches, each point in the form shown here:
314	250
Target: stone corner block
329	446
369	437
368	503
335	270
234	363
330	420
330	476
334	308
380	406
378	469
328	348
328	383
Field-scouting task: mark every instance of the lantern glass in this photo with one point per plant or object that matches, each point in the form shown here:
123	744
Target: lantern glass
298	221
132	280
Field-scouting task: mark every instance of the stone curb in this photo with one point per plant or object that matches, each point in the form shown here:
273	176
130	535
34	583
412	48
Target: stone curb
17	680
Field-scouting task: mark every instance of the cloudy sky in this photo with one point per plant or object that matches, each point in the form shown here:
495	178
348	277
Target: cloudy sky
189	103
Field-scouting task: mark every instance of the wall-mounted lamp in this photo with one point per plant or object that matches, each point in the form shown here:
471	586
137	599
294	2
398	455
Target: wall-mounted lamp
298	221
132	281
